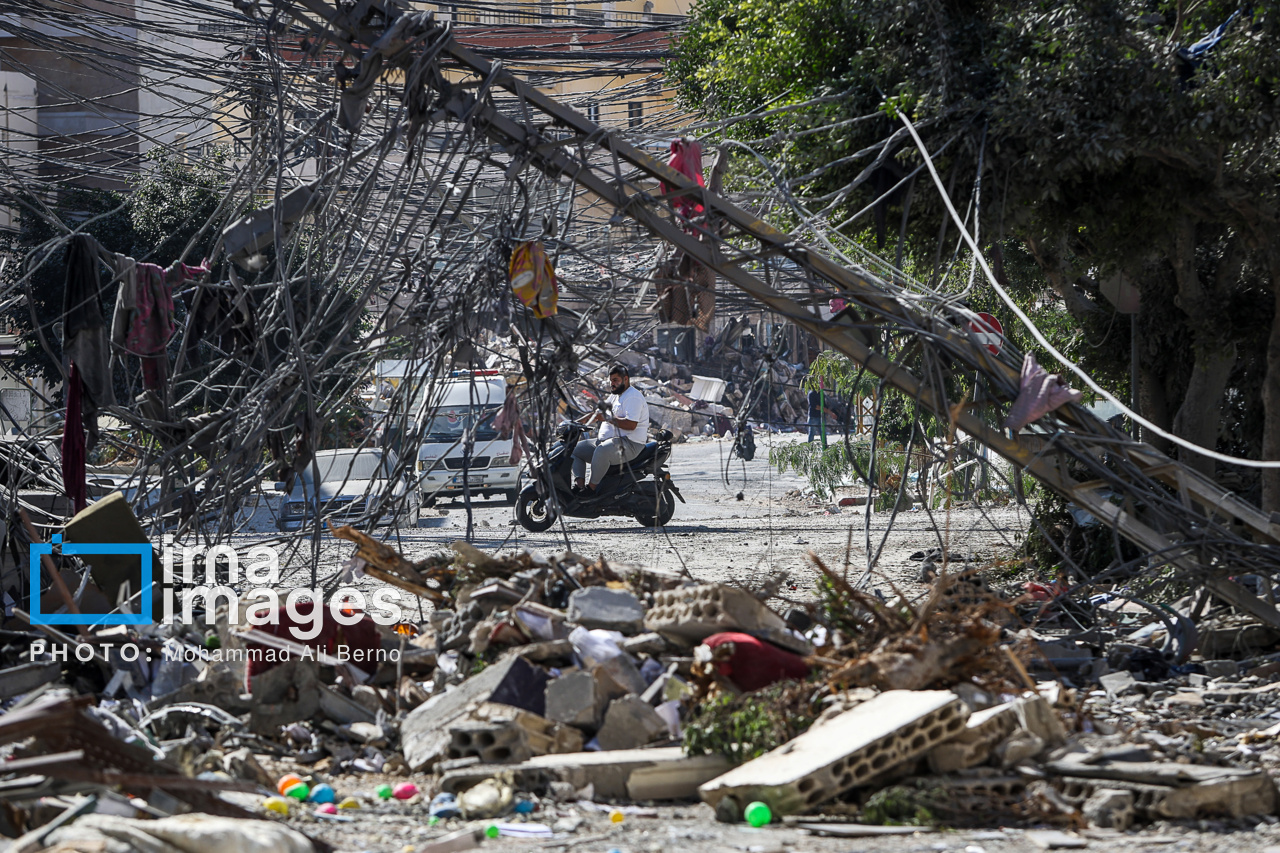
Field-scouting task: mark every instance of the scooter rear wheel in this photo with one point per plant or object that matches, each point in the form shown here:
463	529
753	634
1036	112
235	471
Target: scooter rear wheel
666	508
532	511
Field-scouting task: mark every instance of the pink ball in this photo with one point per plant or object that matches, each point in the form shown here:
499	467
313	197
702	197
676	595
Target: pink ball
326	808
404	790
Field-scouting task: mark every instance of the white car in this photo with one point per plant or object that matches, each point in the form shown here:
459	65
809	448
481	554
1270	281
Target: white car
351	482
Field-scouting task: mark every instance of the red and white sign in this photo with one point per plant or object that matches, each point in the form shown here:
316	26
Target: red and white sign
987	330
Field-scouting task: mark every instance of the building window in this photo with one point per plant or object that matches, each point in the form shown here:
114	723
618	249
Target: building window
548	12
593	112
635	113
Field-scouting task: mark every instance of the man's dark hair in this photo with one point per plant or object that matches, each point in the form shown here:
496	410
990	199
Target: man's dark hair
621	370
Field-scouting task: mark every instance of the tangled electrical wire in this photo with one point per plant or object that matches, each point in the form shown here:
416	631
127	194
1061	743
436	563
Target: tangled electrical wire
381	174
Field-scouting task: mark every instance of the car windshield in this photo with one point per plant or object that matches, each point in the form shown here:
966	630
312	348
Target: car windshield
350	465
446	424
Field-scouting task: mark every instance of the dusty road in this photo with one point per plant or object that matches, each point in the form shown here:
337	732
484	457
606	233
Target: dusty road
717	536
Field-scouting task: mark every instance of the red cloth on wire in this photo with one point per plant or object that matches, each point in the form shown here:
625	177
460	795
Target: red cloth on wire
73	452
686	158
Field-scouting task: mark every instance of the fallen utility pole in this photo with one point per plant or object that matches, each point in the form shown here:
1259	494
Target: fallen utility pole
1178	516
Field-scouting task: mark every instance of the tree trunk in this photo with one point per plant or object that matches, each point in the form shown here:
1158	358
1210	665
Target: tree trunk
1154	406
1199	417
1271	394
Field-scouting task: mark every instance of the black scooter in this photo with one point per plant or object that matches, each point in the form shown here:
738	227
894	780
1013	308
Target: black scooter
641	488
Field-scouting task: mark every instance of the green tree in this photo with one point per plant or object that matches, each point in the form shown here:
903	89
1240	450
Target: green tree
1108	158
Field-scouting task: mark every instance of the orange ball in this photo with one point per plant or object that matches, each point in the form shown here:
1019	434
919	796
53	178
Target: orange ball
287	781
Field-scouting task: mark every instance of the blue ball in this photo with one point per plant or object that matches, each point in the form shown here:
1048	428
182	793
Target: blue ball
322	793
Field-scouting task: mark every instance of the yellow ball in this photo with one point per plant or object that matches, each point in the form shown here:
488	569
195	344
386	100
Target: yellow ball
276	804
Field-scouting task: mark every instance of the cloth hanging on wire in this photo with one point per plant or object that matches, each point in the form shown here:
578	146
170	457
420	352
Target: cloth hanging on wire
73	444
686	158
686	292
509	425
533	279
143	321
84	331
1039	393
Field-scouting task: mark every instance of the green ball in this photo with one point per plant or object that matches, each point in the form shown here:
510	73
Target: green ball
298	791
383	792
492	831
757	813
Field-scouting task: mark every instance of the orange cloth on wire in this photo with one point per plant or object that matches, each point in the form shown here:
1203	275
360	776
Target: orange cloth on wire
533	279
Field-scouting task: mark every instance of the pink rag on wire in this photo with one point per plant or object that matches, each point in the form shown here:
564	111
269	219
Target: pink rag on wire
686	158
1039	393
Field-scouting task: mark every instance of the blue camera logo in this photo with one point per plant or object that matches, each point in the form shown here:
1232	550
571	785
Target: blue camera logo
73	549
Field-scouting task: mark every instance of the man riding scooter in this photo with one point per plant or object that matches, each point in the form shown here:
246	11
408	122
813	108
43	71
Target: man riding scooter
624	426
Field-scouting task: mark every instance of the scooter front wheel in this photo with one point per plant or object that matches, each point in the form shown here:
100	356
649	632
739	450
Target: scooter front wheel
533	513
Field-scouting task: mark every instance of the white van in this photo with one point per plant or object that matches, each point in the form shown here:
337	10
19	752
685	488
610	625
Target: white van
466	399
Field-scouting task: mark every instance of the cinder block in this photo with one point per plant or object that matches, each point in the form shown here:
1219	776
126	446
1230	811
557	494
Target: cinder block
973	745
499	734
424	734
693	613
848	751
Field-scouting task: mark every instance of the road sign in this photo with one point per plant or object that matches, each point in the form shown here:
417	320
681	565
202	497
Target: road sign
987	330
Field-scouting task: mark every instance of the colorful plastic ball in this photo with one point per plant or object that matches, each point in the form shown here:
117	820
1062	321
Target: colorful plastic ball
404	791
326	808
384	792
276	804
322	793
287	781
757	813
298	792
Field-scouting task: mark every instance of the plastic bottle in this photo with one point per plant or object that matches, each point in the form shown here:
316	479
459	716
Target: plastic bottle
757	813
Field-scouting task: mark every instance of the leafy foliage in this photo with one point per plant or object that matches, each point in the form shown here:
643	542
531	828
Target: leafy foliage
745	727
1106	158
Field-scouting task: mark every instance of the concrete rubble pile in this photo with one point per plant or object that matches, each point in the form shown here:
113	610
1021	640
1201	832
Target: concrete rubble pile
543	696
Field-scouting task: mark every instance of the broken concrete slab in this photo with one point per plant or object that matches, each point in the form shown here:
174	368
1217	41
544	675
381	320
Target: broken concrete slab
660	773
1172	791
343	709
424	734
285	694
630	723
617	677
498	734
858	745
26	677
575	699
693	613
111	520
1109	808
610	609
1119	683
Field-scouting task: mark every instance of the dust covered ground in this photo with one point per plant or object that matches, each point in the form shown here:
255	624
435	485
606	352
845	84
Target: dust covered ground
719	536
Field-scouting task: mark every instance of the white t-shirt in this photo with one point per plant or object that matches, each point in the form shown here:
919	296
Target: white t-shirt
630	405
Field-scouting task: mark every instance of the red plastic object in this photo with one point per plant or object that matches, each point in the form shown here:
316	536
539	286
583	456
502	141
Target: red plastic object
754	664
